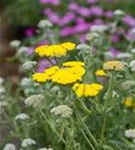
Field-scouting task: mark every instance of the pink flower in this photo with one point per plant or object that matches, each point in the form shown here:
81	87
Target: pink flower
73	6
129	20
53	2
29	32
29	50
96	11
92	1
109	14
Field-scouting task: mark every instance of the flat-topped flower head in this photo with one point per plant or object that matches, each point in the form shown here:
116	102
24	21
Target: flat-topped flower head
69	46
62	110
130	133
114	65
34	100
28	142
87	90
22	116
129	102
100	73
71	72
9	146
56	50
74	64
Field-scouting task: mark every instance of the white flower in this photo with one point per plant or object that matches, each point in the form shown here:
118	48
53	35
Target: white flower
45	149
26	82
3	104
127	84
2	90
62	110
130	133
22	116
132	65
83	47
99	28
15	43
28	142
29	65
44	23
133	50
34	100
9	147
119	12
124	55
1	80
92	36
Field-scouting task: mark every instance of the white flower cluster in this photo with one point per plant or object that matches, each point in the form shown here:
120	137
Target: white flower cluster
29	86
9	146
132	65
44	23
29	65
62	110
28	142
130	134
2	95
15	43
34	100
99	28
45	149
22	116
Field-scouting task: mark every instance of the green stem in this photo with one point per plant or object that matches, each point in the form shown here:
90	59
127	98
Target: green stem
86	138
108	97
53	128
87	129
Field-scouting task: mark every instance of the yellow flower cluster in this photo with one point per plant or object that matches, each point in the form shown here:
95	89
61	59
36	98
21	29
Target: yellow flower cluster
65	75
87	90
129	102
100	73
114	65
55	50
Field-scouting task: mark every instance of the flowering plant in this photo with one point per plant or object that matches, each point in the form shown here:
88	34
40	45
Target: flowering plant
79	96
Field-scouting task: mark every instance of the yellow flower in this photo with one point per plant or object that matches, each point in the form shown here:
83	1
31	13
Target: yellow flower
114	65
68	75
69	46
52	70
64	75
100	73
55	50
41	50
87	90
40	77
129	102
73	64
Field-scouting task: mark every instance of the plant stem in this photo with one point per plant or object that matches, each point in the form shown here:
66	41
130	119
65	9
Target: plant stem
108	97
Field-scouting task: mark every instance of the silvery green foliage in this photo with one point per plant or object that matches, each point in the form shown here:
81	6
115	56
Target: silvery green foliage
29	65
62	110
10	146
30	87
28	142
34	100
83	48
22	116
